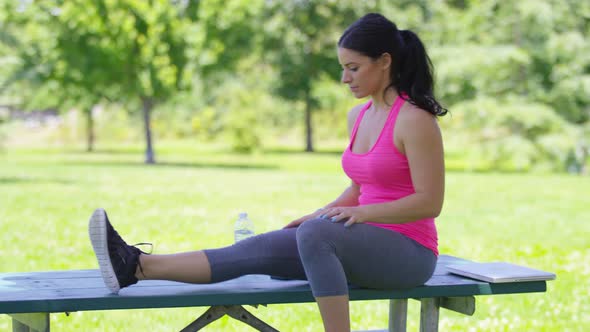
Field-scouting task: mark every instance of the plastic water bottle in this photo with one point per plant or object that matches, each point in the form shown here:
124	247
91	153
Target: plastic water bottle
243	228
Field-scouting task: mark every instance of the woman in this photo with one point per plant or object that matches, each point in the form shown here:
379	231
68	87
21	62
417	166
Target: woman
379	233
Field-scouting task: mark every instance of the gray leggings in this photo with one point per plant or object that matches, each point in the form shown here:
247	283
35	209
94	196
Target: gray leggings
330	256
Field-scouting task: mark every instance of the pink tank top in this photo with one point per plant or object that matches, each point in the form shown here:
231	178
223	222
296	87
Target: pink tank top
383	175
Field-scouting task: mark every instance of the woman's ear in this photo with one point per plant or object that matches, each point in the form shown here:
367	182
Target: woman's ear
385	61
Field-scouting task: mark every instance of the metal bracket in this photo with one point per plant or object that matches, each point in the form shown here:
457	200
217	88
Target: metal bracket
234	311
464	305
30	322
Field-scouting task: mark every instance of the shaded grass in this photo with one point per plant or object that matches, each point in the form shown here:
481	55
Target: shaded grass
191	199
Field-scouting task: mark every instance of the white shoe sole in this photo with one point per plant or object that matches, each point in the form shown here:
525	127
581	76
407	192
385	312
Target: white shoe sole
97	229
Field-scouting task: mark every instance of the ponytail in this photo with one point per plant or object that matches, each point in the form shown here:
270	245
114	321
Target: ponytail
414	74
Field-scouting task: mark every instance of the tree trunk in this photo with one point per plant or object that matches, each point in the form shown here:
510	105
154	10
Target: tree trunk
90	129
147	105
521	75
308	127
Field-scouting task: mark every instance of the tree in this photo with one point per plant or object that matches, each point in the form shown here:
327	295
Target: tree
300	40
120	50
137	52
143	48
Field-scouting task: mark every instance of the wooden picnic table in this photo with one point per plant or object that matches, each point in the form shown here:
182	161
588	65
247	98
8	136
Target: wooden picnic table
30	297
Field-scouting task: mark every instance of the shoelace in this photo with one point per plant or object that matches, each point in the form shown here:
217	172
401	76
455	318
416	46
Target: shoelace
147	253
117	240
144	244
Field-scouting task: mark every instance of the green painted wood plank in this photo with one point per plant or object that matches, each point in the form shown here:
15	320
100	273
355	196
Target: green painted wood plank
199	295
59	291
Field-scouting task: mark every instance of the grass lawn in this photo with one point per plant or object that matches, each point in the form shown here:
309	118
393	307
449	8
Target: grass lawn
191	199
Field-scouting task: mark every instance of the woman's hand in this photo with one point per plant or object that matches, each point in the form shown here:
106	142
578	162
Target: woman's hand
310	216
348	214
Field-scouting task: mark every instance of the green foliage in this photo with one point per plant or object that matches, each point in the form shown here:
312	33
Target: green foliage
468	70
243	115
572	97
190	57
242	131
205	125
133	46
304	49
231	32
511	134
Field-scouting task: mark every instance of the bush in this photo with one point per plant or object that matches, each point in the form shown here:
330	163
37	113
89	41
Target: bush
512	135
243	130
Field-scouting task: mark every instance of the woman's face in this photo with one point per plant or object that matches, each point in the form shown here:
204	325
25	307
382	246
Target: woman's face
364	75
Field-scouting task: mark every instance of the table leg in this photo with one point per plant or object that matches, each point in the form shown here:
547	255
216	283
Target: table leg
429	313
398	315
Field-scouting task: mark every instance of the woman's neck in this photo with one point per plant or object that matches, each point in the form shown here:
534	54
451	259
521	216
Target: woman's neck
383	101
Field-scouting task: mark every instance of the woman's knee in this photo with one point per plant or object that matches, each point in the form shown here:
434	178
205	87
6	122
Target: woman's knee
309	228
313	233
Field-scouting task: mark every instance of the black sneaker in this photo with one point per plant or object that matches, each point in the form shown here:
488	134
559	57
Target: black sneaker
117	260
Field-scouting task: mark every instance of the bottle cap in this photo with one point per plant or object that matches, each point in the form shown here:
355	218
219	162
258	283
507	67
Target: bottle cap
243	215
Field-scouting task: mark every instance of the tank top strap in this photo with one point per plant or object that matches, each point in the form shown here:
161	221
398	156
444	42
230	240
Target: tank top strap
393	113
359	118
391	118
397	106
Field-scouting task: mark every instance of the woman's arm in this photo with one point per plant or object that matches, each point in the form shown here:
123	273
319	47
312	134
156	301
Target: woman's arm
418	137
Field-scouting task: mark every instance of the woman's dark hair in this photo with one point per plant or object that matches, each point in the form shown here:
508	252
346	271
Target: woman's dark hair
411	69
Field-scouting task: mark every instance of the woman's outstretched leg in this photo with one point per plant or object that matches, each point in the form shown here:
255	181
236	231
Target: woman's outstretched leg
192	267
274	253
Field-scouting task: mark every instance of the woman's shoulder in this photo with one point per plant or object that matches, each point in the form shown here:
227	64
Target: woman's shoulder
414	121
353	113
412	113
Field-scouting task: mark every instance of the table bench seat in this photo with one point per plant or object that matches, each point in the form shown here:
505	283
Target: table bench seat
30	297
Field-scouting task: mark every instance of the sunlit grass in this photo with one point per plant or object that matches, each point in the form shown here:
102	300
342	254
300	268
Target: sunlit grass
190	200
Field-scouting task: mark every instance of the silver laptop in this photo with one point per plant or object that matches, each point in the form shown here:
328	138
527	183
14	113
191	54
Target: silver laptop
499	272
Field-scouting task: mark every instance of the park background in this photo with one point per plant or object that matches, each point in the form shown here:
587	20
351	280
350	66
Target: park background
177	115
